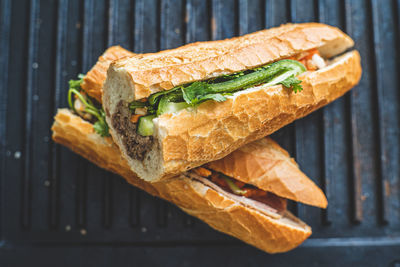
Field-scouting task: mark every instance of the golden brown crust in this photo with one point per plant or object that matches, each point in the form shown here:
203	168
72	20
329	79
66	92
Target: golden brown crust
94	79
225	215
160	71
192	138
221	213
264	164
78	135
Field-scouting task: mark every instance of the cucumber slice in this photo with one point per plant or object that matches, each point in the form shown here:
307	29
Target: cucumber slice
170	107
145	125
281	77
291	67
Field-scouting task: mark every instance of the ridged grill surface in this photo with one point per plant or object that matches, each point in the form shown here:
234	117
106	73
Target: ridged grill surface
52	198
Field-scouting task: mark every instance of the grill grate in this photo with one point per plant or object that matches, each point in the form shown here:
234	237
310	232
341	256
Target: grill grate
51	197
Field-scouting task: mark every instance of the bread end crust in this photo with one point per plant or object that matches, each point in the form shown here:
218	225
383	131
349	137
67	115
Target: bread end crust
264	164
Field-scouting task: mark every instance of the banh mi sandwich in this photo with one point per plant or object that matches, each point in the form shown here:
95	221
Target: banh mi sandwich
172	111
260	220
258	217
232	200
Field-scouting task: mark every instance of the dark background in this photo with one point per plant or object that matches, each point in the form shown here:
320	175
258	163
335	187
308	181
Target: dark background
58	209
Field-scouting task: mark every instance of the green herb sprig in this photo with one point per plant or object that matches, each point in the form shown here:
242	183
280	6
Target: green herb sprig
100	126
281	72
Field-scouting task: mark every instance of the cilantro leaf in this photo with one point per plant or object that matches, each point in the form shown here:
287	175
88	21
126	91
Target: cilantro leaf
101	128
293	83
215	97
199	92
195	91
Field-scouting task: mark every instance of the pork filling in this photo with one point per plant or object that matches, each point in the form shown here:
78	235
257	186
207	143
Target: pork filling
239	188
136	145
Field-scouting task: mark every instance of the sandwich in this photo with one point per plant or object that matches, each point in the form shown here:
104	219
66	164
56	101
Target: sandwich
243	194
178	109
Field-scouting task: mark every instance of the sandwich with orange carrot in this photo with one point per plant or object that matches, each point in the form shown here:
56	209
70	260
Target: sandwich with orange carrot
244	192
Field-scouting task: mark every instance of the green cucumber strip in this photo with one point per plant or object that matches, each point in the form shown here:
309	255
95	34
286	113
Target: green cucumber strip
286	65
182	97
170	107
280	78
193	92
146	125
235	189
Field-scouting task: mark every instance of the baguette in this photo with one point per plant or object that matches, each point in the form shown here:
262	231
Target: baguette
218	209
246	219
190	138
202	60
264	164
94	79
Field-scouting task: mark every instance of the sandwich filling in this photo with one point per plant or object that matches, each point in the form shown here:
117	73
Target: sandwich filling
86	107
246	194
217	89
134	121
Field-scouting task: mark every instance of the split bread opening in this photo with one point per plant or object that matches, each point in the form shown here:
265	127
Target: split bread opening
181	137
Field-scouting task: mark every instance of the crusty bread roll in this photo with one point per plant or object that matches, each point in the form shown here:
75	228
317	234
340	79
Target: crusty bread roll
94	79
202	60
264	164
269	232
190	138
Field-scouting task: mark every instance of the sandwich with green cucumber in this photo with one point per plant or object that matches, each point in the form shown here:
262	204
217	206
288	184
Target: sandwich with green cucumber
175	110
283	72
243	194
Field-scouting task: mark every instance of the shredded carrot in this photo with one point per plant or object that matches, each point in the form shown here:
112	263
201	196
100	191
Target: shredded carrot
310	54
254	192
142	100
135	117
215	178
304	57
202	171
305	60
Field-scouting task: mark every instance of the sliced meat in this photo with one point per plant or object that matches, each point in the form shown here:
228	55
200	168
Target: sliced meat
136	145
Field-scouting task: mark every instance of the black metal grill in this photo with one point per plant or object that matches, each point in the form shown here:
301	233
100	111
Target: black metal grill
57	208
